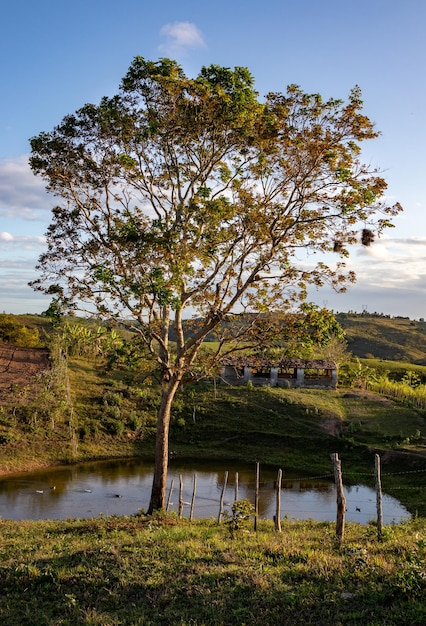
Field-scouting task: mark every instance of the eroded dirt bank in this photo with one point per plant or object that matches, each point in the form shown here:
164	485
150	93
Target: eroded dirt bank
19	365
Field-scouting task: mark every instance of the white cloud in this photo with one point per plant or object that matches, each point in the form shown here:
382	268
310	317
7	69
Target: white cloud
15	294
392	264
22	242
22	195
6	236
180	36
391	278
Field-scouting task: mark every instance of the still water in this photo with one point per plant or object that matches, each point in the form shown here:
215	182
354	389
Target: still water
124	487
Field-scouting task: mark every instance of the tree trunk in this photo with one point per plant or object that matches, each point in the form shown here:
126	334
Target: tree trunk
159	484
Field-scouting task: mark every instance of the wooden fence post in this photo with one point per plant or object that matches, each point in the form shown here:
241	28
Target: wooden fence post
378	498
170	494
191	514
180	513
340	497
256	496
277	517
225	480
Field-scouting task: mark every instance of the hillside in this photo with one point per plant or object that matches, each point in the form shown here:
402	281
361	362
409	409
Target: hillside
19	365
381	337
375	336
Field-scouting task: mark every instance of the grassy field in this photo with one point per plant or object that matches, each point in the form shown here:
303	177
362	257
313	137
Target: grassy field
149	571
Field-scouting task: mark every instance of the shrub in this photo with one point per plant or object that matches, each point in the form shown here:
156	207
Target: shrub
112	399
14	332
114	427
242	510
135	421
112	412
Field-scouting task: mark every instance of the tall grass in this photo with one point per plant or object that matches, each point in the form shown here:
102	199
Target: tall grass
401	391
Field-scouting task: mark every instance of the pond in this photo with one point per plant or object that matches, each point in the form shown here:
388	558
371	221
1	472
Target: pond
123	488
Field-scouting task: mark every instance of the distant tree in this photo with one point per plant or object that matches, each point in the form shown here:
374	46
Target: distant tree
54	313
317	329
183	197
305	333
335	349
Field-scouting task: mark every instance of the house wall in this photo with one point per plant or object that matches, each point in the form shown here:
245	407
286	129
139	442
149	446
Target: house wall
233	376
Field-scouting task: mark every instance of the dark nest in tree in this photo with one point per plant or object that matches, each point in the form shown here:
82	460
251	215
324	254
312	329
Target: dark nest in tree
337	246
367	237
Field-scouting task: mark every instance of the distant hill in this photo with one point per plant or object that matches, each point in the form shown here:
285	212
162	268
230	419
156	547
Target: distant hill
377	336
381	337
369	336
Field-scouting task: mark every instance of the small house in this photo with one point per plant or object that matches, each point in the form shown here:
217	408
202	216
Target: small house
307	373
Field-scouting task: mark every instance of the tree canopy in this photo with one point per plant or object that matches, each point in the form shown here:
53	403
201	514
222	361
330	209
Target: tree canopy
195	197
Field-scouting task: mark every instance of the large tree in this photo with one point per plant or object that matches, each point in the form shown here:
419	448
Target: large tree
193	197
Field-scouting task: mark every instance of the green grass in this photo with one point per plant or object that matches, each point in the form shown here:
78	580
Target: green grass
395	370
275	420
138	570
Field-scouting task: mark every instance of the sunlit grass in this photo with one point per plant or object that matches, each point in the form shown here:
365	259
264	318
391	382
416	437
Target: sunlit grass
136	570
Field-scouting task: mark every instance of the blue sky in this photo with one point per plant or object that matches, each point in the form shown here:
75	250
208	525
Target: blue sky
57	55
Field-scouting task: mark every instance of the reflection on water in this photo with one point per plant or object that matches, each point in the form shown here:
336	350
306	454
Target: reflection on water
124	487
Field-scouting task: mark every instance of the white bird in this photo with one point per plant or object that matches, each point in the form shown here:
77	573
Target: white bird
39	491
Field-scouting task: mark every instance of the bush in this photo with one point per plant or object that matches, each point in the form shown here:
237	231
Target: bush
242	510
9	436
14	332
114	427
135	421
112	399
112	412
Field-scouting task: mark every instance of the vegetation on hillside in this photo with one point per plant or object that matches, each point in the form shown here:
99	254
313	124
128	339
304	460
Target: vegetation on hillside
14	331
101	401
374	336
90	405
